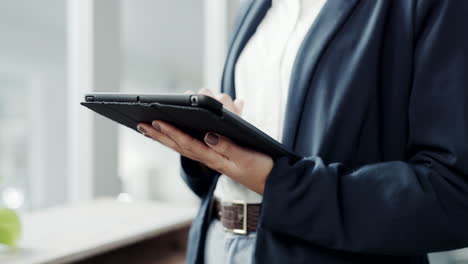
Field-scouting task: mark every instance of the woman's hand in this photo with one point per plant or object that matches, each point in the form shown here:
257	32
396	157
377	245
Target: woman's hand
248	167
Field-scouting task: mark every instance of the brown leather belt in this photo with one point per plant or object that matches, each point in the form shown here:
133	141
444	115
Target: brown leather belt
237	216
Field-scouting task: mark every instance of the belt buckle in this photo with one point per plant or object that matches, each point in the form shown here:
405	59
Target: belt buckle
242	231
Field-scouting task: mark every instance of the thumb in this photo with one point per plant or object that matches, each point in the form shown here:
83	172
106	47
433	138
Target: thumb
239	103
224	146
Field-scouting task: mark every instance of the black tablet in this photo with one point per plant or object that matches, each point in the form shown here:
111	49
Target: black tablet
192	113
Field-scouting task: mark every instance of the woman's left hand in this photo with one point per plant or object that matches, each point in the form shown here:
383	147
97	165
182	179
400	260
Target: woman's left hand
248	167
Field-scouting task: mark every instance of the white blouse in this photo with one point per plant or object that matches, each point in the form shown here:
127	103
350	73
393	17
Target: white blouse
263	73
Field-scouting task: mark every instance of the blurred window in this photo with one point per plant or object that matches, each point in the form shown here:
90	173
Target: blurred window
166	47
162	53
32	85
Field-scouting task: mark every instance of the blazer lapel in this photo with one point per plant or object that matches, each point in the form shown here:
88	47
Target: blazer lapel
249	22
332	16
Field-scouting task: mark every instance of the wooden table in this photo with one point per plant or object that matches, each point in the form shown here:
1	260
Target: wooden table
74	233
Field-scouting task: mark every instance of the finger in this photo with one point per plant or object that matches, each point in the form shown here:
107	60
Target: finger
153	133
206	92
226	147
192	147
227	102
239	103
183	140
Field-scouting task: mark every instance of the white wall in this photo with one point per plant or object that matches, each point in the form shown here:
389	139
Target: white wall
163	44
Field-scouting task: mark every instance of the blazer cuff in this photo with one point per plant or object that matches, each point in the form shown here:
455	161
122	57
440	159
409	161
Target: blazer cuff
275	195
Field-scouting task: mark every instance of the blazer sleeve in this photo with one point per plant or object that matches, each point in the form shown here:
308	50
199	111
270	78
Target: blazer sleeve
197	176
407	207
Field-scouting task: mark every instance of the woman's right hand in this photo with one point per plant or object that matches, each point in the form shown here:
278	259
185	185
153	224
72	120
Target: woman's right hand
234	106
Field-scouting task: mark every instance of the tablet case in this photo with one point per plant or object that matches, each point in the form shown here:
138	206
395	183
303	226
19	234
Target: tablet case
193	114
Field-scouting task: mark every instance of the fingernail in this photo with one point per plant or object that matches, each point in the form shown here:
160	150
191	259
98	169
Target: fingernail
211	138
156	126
141	129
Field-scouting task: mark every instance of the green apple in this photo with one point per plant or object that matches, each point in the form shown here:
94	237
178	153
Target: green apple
10	227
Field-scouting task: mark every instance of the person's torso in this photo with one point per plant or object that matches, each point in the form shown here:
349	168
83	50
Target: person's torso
348	102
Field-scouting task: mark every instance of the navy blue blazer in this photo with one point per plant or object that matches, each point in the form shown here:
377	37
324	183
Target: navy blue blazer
378	109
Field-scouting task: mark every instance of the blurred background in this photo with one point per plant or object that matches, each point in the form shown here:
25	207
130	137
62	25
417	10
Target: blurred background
52	151
139	46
